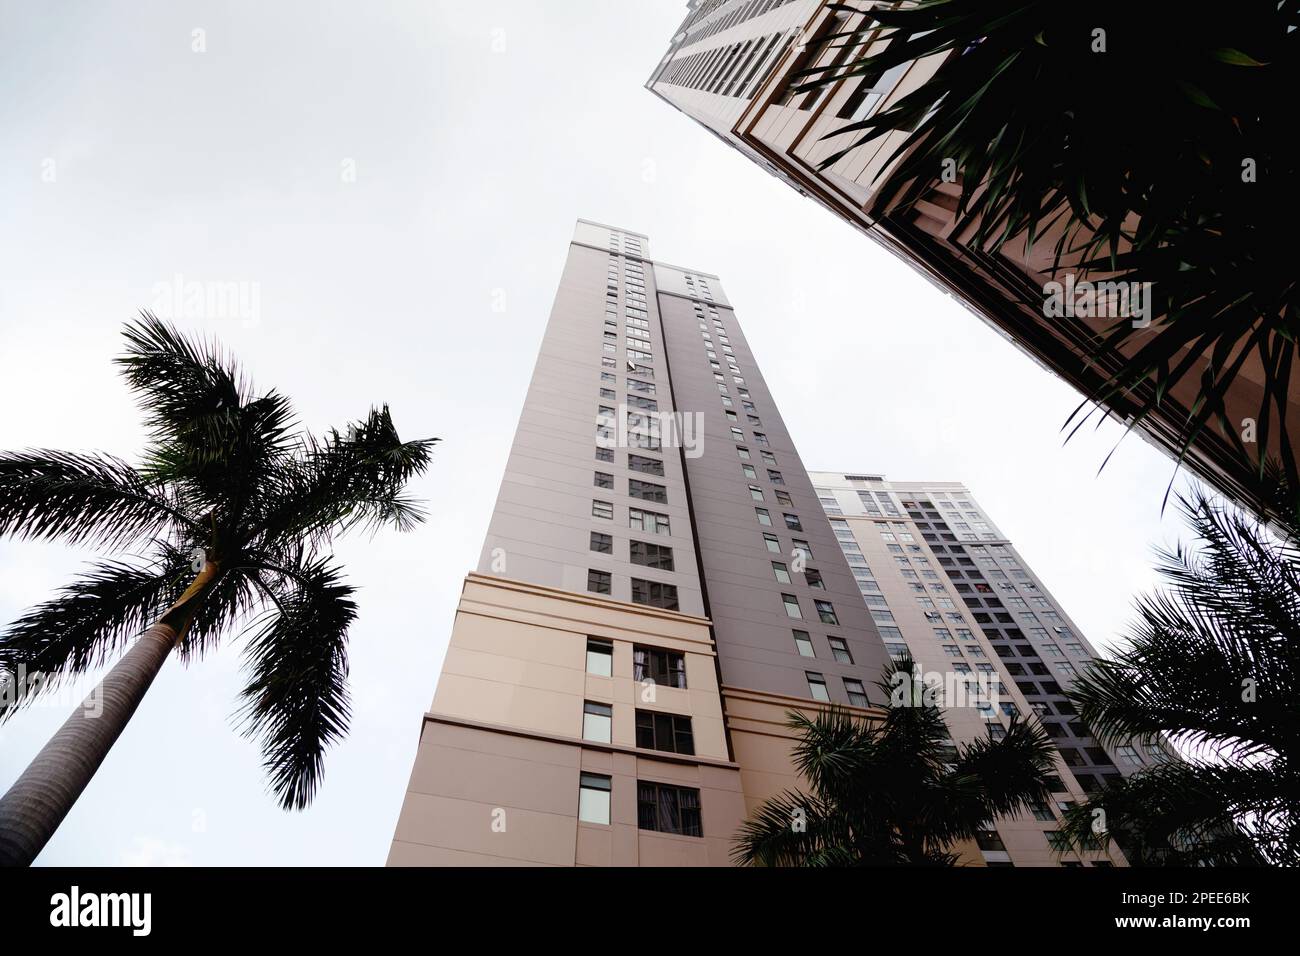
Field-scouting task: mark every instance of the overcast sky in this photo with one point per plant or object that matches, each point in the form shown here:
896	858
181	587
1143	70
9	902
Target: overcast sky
395	185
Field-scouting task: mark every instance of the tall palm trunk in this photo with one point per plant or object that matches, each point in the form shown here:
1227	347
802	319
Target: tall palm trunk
39	800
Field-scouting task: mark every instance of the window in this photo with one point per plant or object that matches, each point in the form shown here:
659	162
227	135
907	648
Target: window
604	480
857	693
764	517
775	477
600	657
756	492
667	732
597	719
647	521
654	594
784	498
647	466
814	578
651	555
826	611
792	522
742	452
773	544
817	686
802	546
593	798
667	809
781	571
804	644
647	491
749	473
792	606
602	509
840	649
602	543
598	582
666	668
604	454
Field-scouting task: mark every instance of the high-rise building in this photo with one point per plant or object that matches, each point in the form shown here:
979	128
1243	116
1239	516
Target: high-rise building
735	67
659	586
946	588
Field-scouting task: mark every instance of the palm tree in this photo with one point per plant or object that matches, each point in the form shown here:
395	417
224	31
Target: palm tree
237	513
894	791
1213	666
1159	150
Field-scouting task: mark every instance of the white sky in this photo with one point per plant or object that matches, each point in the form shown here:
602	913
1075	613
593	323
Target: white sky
478	133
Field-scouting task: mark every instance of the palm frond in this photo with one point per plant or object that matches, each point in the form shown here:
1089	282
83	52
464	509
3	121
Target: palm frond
349	480
81	498
89	620
296	700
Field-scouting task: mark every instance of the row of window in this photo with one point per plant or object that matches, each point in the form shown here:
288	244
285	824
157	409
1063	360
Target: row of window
650	593
661	807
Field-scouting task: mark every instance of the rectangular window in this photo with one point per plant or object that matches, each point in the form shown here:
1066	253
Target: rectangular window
773	544
826	611
647	491
781	571
602	509
665	668
604	480
650	521
857	693
667	809
597	720
792	607
840	649
647	466
792	522
602	543
814	578
651	555
599	582
600	657
593	798
654	594
804	644
604	454
668	732
764	518
817	686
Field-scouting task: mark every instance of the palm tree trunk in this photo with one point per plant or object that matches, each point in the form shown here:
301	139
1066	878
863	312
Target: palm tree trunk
39	799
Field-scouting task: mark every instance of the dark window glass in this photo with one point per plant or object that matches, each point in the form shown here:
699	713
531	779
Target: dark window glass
668	732
659	667
602	543
648	466
599	582
647	491
654	594
667	809
652	555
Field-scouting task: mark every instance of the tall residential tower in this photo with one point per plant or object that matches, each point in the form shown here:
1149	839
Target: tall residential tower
736	67
658	587
946	588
